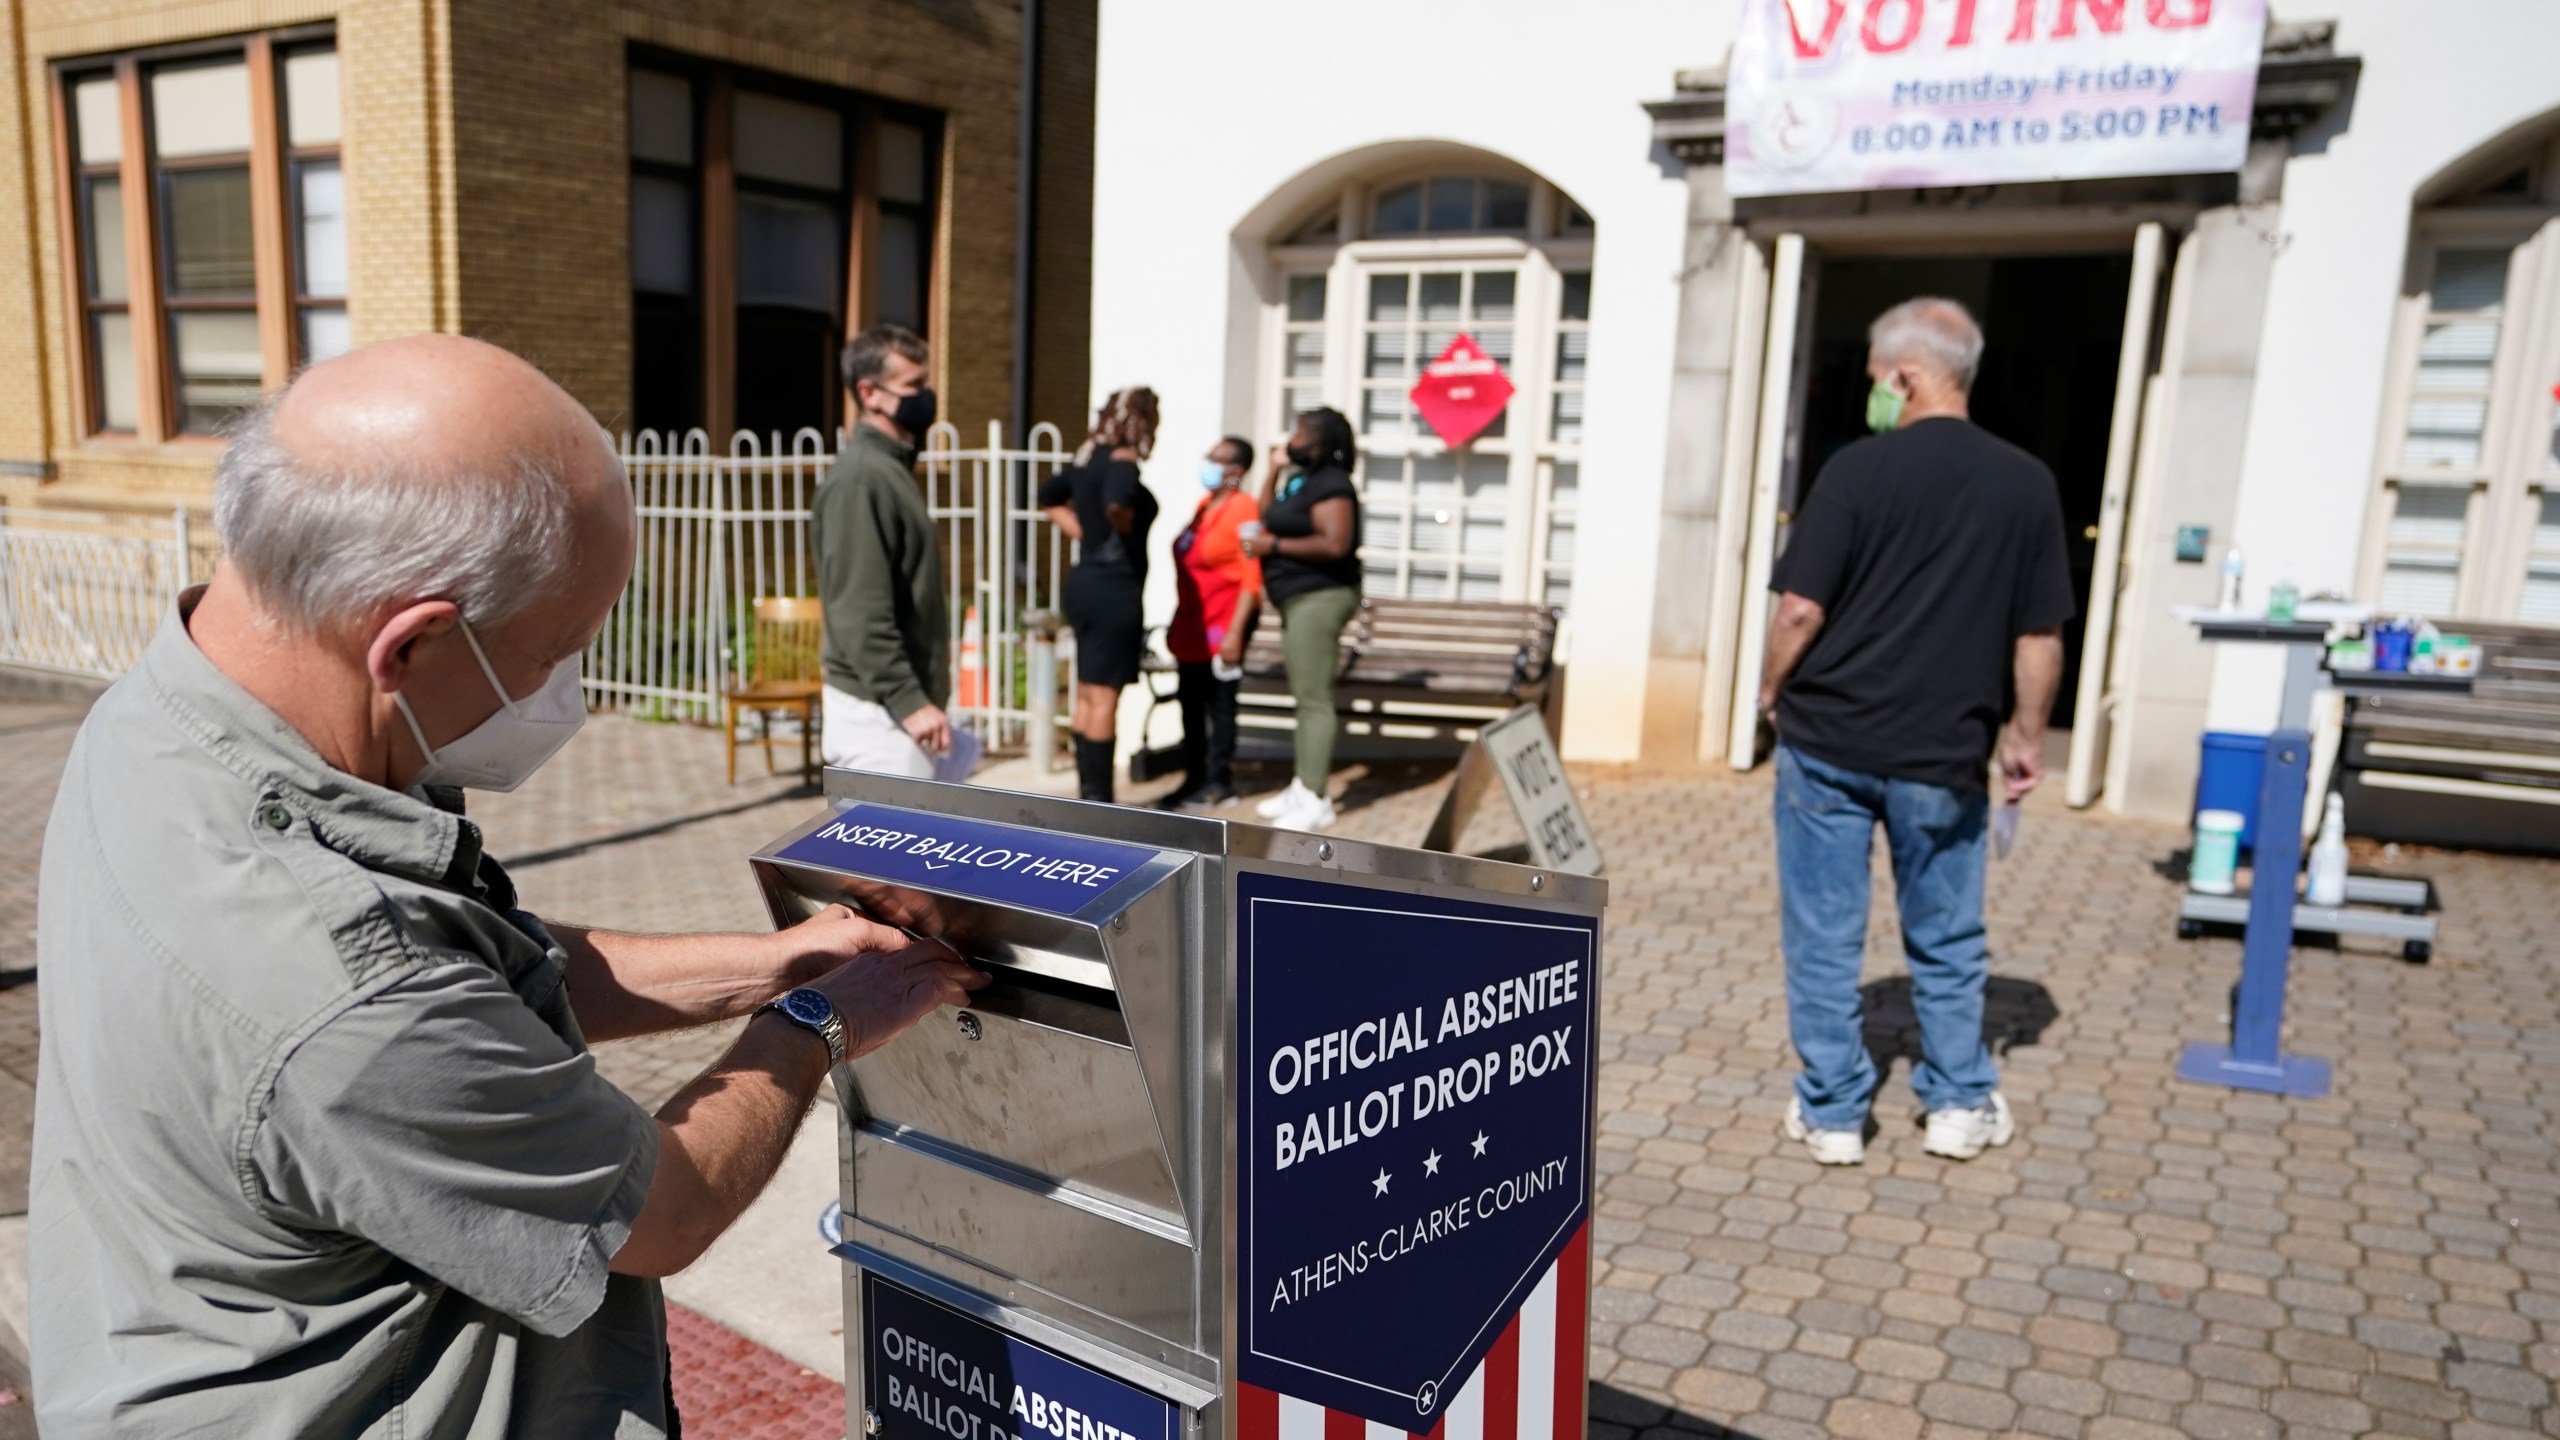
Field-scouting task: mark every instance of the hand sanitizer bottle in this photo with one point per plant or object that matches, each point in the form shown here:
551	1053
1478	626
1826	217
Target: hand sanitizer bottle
2231	574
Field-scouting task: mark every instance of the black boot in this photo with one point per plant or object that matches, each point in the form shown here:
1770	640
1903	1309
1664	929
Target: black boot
1093	769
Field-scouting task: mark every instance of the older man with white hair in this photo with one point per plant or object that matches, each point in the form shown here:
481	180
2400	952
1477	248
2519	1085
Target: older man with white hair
319	1146
1921	603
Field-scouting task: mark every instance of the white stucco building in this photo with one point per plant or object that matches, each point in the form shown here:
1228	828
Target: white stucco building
2343	357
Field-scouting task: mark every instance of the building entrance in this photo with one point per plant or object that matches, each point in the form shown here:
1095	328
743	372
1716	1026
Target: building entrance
2054	325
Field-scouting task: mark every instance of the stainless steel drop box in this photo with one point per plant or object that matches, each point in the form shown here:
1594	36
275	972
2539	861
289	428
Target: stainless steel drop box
1249	1124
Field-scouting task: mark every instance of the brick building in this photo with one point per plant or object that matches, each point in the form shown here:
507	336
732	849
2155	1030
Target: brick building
678	211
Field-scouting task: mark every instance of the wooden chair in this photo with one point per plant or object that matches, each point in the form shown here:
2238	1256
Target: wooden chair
782	674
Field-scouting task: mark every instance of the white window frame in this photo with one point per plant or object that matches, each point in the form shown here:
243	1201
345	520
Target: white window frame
2503	493
2521	544
1530	451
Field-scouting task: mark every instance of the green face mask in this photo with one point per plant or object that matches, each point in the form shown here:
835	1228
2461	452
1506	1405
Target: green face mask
1884	407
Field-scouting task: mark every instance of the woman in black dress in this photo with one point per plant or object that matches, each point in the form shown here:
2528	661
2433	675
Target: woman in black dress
1100	501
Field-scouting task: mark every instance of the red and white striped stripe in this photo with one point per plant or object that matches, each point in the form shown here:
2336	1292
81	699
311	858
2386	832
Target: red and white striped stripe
1528	1387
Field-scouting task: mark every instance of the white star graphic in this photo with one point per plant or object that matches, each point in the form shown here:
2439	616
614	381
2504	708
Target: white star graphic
1479	1144
1381	1181
1431	1163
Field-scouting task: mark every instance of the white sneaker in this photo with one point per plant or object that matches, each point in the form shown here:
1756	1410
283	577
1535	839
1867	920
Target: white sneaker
1963	1134
1312	812
1829	1147
1284	802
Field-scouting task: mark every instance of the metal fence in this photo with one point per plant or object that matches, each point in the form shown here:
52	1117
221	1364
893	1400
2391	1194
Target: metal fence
719	532
81	594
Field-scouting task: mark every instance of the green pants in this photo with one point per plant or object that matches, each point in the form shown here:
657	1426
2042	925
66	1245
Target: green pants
1311	642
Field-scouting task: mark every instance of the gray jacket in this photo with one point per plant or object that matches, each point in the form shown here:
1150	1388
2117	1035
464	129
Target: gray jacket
319	1149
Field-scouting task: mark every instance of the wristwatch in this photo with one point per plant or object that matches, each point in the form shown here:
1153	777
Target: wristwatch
812	1010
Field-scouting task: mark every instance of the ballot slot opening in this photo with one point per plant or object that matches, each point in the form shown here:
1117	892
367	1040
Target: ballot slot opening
1033	1082
1046	971
1052	1003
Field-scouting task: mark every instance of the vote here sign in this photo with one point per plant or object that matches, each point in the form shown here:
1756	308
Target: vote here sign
1414	1103
1893	94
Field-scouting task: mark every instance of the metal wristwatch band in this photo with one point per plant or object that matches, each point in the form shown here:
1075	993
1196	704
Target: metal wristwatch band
831	1030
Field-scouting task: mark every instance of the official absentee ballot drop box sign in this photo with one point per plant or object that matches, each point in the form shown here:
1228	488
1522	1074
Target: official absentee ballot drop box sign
1255	1135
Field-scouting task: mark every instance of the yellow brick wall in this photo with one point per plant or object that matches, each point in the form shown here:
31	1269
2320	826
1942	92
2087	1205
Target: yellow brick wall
387	72
542	156
487	184
24	352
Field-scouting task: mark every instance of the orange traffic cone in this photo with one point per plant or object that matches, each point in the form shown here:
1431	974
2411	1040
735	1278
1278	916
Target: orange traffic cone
973	663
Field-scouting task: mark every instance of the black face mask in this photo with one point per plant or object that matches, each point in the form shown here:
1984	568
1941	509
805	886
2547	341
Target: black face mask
916	413
1305	456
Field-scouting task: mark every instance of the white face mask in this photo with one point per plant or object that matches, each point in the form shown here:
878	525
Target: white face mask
503	751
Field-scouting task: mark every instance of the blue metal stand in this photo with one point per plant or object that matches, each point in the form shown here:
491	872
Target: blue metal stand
2251	1061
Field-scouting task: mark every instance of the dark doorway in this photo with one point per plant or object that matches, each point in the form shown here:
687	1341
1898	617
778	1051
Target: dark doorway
2052	325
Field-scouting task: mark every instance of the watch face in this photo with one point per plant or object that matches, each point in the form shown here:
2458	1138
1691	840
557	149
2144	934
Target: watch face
807	1006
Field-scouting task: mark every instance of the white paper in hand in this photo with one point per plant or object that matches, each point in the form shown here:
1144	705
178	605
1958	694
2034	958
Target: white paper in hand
2004	830
955	765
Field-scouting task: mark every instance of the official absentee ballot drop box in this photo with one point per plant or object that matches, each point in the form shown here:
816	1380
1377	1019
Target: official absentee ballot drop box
1255	1134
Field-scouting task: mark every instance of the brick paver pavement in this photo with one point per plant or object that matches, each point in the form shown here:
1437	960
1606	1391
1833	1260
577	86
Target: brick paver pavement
2150	1258
728	1387
33	740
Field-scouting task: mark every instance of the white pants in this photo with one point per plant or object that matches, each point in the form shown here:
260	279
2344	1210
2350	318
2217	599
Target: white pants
861	735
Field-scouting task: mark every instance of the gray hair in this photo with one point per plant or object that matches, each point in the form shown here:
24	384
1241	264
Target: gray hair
324	547
1930	331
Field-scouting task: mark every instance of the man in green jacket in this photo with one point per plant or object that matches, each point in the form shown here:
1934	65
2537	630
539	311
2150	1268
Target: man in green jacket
888	650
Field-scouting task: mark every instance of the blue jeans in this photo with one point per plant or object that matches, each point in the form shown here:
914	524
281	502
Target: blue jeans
1827	816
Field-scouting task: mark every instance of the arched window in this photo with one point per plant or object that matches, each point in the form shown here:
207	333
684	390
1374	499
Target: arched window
1374	282
2466	512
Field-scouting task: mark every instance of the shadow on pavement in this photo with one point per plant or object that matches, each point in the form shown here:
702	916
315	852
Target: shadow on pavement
2014	1013
1616	1414
1363	783
654	828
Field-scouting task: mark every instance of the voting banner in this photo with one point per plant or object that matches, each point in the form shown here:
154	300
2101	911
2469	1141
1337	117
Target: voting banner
1828	95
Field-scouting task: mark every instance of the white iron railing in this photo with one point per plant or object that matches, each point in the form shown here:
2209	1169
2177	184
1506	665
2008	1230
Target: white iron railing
719	532
81	594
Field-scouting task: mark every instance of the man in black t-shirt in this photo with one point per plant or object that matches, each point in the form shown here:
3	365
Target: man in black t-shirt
1920	604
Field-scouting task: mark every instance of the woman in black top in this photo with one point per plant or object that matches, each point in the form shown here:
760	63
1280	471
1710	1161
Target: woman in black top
1309	546
1100	501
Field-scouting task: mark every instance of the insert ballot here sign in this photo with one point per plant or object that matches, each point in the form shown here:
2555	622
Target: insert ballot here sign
983	859
1414	1111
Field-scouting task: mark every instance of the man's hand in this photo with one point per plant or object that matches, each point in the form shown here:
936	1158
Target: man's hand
722	1137
1792	625
929	728
2021	760
2035	675
827	940
879	993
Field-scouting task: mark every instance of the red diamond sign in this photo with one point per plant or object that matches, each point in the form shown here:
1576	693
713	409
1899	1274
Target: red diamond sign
1461	392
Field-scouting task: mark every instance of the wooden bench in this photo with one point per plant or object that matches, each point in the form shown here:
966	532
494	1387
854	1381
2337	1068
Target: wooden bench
2481	769
1415	680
